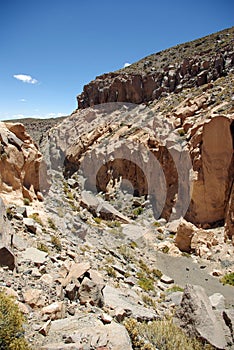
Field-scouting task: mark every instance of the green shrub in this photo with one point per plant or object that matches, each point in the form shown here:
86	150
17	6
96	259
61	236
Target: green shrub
11	325
228	279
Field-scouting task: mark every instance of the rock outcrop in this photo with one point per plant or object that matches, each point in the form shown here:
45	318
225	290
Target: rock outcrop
7	257
196	317
20	161
168	71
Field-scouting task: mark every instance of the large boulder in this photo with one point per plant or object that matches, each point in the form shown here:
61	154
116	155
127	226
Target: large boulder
196	317
7	257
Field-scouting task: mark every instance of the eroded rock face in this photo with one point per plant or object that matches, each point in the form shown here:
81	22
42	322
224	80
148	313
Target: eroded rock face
7	257
212	153
19	163
162	73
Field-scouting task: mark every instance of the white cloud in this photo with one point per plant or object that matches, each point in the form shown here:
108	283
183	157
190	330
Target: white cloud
127	64
25	78
23	100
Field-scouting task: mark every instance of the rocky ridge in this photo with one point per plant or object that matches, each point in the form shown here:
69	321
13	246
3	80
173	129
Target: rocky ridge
183	66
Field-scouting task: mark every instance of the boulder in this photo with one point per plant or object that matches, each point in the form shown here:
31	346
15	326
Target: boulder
89	292
54	311
196	317
34	297
184	235
34	255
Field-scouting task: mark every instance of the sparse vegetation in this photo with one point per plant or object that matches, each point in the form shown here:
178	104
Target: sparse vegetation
144	282
11	325
51	224
36	217
137	211
56	243
26	201
41	246
111	271
228	279
113	223
175	288
162	334
97	220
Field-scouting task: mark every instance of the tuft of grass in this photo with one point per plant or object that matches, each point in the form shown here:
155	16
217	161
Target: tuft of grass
162	334
26	201
110	271
11	325
148	300
51	224
175	288
56	243
41	246
165	249
113	223
157	273
144	282
36	217
228	279
138	211
97	220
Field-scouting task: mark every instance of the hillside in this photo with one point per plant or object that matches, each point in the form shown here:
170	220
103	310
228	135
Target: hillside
117	232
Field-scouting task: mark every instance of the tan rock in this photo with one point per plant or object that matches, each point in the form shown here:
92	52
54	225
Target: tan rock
76	271
19	168
34	298
184	235
54	311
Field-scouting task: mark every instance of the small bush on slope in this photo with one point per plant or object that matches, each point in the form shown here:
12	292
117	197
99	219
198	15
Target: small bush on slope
162	334
11	325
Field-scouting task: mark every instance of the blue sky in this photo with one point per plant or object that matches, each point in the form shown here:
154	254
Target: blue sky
50	48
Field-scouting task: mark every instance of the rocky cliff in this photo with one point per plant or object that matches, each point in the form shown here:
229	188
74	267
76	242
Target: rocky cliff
184	66
20	162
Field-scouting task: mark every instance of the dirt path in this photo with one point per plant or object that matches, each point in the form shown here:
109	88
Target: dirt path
183	270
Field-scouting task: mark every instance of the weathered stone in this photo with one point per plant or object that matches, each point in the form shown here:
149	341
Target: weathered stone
54	311
184	235
34	255
31	225
217	301
166	279
89	292
44	330
115	299
7	257
196	317
71	291
76	271
34	297
19	168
